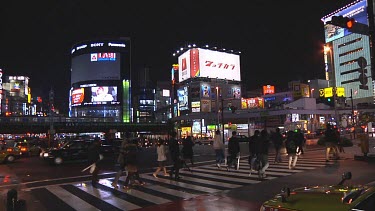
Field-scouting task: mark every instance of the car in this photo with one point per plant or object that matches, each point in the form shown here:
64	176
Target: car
28	148
204	140
325	197
72	151
242	138
9	154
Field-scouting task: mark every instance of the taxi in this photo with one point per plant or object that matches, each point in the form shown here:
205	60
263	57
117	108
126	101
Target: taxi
327	197
9	154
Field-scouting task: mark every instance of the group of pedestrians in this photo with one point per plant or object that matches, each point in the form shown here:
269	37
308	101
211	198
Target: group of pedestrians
128	162
258	154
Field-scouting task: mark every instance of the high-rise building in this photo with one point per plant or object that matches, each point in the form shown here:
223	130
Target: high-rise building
101	79
347	55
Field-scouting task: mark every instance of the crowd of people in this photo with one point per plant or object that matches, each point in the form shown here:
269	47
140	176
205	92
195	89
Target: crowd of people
169	151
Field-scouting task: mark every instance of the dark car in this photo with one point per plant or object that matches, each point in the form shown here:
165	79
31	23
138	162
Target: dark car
242	138
74	150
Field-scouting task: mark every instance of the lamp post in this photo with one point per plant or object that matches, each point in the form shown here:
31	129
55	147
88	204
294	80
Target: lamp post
327	50
312	91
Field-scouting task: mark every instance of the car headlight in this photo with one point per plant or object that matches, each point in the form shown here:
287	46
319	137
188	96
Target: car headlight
45	154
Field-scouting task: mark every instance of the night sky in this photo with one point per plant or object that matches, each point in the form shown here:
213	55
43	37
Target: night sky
280	41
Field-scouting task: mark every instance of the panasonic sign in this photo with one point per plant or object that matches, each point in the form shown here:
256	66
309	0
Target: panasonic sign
121	45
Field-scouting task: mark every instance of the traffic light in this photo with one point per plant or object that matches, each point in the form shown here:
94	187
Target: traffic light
343	22
350	24
330	101
232	108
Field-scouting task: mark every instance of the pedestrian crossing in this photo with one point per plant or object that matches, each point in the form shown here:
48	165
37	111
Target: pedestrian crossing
205	179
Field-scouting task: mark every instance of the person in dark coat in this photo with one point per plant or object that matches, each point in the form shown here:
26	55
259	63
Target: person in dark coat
174	150
94	157
277	140
253	149
300	138
187	149
233	149
291	148
263	151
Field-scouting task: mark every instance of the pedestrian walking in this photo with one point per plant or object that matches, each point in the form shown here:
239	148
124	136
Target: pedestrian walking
300	138
174	150
263	152
277	140
94	158
332	138
187	149
253	150
291	149
233	150
218	146
162	158
121	160
132	164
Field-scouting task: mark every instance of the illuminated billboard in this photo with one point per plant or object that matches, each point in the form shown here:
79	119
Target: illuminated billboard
94	95
182	95
206	91
268	90
356	10
251	103
328	92
104	94
205	63
78	96
95	66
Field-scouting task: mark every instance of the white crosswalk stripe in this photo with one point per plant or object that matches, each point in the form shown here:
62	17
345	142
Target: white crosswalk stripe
203	179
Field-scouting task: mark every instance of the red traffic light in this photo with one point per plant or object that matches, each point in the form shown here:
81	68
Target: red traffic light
350	23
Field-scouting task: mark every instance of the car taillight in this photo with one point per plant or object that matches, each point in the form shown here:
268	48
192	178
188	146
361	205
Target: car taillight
9	150
23	149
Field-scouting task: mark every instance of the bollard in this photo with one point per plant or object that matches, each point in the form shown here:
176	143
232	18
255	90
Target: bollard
11	200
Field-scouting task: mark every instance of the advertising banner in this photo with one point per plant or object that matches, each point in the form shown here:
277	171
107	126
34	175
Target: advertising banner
268	89
251	103
206	106
197	128
77	96
104	94
182	95
205	91
206	63
196	106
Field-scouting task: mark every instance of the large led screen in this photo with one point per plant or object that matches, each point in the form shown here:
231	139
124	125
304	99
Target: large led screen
104	94
96	95
78	95
182	95
95	66
199	62
356	10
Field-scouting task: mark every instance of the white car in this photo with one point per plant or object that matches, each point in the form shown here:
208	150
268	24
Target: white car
204	140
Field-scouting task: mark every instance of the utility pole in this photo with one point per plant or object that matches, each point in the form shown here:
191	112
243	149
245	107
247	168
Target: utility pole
353	120
51	131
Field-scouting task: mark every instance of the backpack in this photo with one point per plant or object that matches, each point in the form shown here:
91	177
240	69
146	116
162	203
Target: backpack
291	145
